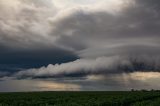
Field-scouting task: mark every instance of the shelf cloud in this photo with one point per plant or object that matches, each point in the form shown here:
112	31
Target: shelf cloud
77	39
98	66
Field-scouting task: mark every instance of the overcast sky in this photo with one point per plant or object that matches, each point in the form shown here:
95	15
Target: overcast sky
79	45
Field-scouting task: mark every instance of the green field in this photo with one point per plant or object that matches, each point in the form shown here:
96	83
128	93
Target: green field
136	98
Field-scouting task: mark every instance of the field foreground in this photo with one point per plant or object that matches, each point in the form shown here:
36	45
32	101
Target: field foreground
136	98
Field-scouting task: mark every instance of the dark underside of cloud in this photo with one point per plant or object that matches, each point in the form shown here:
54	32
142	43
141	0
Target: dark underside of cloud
17	60
82	68
78	43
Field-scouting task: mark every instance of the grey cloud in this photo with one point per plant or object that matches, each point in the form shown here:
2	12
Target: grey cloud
121	50
80	29
136	25
24	36
99	66
16	60
97	37
25	25
124	81
2	74
39	3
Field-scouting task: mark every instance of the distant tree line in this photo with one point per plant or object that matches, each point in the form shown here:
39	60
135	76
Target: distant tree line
144	90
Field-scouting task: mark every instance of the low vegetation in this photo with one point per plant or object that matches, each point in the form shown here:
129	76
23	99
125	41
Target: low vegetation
134	98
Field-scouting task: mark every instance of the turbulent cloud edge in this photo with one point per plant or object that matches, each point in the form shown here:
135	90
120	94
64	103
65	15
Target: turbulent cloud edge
135	30
98	66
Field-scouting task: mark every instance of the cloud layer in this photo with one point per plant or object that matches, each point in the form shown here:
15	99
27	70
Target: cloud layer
98	66
78	39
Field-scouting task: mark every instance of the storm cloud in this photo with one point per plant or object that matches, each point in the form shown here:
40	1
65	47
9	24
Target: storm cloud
76	39
98	66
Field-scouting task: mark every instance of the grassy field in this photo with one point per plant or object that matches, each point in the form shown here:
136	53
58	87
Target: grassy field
136	98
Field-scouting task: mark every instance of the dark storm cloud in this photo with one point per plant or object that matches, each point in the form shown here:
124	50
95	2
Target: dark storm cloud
137	25
99	66
107	43
97	37
17	60
24	41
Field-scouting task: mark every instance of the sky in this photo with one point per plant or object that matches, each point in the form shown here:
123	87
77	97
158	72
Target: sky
79	45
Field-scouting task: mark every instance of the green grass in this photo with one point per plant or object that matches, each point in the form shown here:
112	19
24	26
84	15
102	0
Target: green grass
136	98
153	102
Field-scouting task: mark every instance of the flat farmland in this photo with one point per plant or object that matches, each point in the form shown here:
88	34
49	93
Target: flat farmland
119	98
